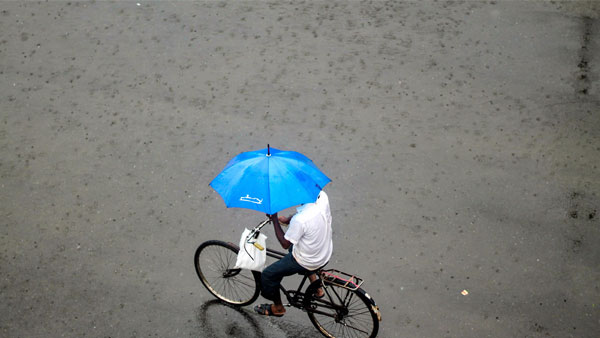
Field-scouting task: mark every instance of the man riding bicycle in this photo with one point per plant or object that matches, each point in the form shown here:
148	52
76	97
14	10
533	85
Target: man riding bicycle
308	239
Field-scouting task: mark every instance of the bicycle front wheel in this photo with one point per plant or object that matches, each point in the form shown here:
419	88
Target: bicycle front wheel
341	312
214	262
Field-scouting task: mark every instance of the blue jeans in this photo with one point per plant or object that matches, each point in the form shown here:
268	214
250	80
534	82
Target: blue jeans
271	276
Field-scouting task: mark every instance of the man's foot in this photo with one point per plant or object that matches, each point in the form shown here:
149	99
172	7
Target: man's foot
269	310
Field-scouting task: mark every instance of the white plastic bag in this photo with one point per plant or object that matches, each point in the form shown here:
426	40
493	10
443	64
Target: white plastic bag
251	257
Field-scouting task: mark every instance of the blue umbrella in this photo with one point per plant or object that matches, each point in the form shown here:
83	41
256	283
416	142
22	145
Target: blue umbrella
269	180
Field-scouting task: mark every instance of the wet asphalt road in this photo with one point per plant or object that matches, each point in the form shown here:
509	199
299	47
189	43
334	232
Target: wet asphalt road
463	140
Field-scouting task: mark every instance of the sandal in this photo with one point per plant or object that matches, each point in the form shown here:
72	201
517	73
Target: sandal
265	310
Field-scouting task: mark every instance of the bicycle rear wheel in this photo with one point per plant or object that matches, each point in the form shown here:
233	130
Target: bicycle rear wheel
214	262
341	312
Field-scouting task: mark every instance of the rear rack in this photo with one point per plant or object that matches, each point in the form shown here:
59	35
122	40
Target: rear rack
342	279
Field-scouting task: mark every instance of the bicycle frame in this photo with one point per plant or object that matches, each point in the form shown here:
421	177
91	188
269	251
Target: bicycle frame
294	297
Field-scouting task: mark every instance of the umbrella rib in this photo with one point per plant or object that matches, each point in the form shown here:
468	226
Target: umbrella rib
305	188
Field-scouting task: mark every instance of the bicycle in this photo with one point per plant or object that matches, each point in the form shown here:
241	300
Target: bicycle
345	310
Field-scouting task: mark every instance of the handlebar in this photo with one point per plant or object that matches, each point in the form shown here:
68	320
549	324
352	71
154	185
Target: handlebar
255	232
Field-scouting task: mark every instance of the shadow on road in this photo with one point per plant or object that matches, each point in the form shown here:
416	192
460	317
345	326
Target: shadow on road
217	319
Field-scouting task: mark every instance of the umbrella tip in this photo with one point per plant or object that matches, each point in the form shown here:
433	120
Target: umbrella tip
268	150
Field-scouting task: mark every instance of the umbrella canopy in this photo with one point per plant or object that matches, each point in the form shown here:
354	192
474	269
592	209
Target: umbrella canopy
269	180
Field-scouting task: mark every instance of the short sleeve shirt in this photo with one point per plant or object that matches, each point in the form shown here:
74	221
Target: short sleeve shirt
310	232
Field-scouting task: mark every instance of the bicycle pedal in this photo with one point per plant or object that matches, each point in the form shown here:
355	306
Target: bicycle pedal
287	305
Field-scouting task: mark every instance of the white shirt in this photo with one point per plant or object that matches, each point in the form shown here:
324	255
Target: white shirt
310	232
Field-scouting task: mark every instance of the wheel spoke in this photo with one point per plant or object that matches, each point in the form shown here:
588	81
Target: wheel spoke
343	314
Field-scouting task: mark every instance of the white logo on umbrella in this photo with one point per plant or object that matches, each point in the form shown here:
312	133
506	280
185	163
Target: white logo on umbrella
254	200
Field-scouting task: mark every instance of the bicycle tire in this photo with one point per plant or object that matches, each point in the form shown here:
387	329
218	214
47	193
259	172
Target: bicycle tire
356	314
214	262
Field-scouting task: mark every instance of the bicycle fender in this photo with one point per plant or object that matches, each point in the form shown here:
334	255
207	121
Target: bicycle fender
373	305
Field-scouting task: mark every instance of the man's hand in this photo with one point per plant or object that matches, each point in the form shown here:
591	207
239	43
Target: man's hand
285	220
279	232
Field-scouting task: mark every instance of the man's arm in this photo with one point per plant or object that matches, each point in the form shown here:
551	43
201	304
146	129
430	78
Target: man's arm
279	232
